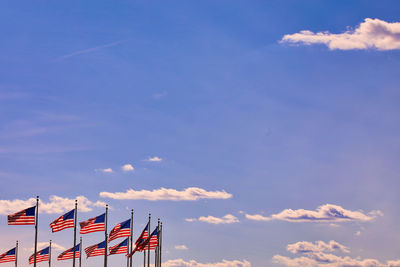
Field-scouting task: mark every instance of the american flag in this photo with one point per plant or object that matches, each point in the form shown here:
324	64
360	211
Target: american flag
8	256
120	230
69	254
63	222
92	225
153	241
42	255
143	236
96	250
23	217
121	248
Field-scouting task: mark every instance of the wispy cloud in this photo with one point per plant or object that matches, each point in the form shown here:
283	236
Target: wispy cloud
188	194
193	263
88	50
55	205
315	255
227	219
154	159
159	95
370	34
325	213
127	168
181	247
106	170
54	246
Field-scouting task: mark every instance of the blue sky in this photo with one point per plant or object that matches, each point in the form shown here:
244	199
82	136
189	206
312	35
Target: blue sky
210	89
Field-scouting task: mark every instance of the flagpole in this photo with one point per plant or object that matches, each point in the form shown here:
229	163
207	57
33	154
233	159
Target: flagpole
148	246
131	241
80	253
156	263
50	254
16	254
36	229
127	258
144	261
106	238
160	244
75	219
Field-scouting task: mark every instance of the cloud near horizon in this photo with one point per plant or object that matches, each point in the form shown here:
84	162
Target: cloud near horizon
227	219
188	194
370	34
314	255
325	213
193	263
55	205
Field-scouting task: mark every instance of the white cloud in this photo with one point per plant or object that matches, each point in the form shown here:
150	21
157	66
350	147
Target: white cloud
127	168
325	213
193	263
181	247
107	170
154	159
55	205
188	194
314	255
370	34
318	246
227	219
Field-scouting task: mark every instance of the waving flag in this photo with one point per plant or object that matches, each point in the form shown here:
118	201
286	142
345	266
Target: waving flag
69	254
120	230
23	217
92	225
42	255
121	248
96	250
63	222
8	256
143	236
153	241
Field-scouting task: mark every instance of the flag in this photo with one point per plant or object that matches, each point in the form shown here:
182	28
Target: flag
121	248
8	256
92	225
23	217
143	236
96	250
69	254
120	230
42	255
153	241
63	222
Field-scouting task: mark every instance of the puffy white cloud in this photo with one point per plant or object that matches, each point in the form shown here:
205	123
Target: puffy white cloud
325	213
181	247
188	194
314	255
55	205
193	263
227	219
154	159
128	168
370	34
